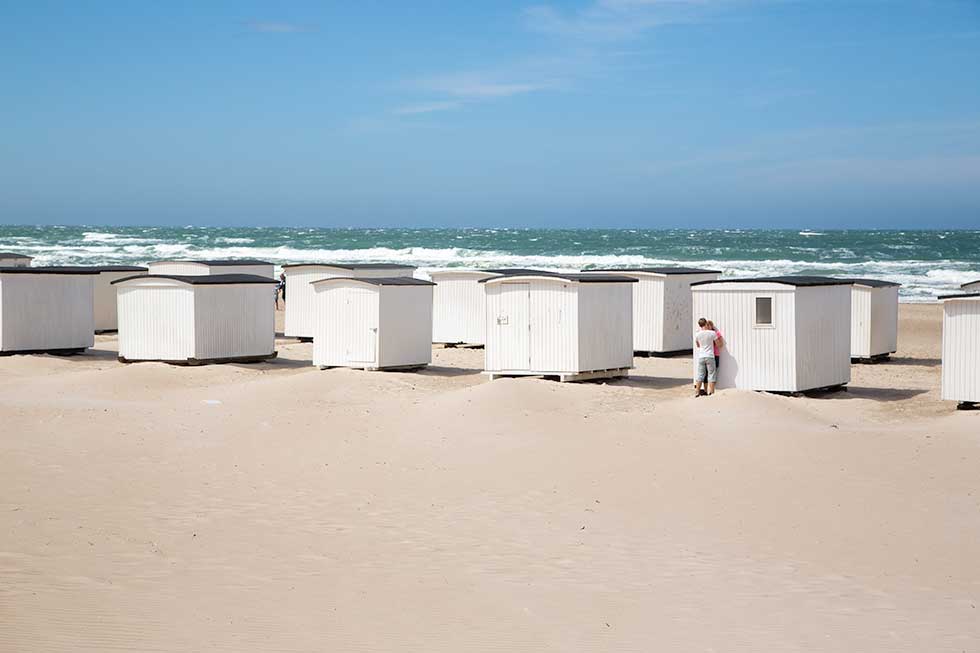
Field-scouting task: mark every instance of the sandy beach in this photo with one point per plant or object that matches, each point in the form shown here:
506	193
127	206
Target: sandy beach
279	507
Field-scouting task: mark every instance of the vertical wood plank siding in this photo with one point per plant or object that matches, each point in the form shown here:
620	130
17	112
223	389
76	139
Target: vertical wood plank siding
346	313
754	358
884	320
823	336
861	322
677	311
46	311
572	327
233	321
405	326
961	350
105	303
300	301
156	323
459	308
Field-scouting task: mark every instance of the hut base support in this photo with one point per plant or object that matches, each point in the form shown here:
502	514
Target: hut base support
458	345
968	405
104	332
54	352
872	360
663	354
194	362
392	368
566	377
840	387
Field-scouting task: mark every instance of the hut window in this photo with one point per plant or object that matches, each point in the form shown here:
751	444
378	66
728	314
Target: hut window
763	311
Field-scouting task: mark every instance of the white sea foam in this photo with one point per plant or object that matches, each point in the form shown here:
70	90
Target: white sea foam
921	280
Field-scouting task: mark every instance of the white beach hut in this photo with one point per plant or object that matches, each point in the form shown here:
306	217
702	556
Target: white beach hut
231	266
972	286
11	260
572	326
662	311
196	319
105	294
459	303
782	334
300	295
372	323
874	319
46	309
961	351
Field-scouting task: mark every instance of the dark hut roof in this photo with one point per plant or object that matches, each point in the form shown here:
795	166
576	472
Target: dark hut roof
665	271
873	283
216	262
800	281
382	281
13	255
357	266
968	283
119	268
571	276
965	295
51	269
516	271
205	279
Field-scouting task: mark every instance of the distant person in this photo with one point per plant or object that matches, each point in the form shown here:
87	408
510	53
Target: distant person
281	288
719	343
704	353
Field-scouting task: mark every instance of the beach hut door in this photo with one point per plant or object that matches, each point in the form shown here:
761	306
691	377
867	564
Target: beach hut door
514	326
363	337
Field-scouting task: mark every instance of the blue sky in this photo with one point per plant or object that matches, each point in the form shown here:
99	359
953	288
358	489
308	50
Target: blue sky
766	113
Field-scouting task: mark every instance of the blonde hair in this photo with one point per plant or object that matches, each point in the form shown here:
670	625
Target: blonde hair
711	325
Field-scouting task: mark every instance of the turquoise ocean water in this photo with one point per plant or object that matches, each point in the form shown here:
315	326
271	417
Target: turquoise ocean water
926	263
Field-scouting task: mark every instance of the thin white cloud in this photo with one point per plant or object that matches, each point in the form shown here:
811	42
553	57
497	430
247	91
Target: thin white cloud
429	107
275	27
613	20
480	86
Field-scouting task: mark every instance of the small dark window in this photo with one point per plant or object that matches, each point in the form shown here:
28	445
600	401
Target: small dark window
763	311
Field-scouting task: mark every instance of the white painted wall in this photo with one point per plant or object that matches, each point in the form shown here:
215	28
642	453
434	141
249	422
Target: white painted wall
105	298
46	311
677	311
346	325
156	320
300	300
807	346
554	326
459	306
823	336
961	350
405	326
662	309
165	319
605	325
300	295
874	321
233	321
754	358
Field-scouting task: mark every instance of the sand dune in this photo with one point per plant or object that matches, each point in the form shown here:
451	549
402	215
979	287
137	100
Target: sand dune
280	507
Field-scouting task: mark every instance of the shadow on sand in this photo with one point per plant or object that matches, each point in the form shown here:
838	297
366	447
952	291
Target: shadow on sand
649	382
917	362
874	394
448	372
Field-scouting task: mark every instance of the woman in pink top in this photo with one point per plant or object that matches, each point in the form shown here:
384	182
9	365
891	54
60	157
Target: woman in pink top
719	343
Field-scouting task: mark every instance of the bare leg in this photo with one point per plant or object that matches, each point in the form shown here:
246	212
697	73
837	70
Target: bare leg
711	387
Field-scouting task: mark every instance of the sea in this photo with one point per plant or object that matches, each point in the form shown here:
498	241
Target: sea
926	263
